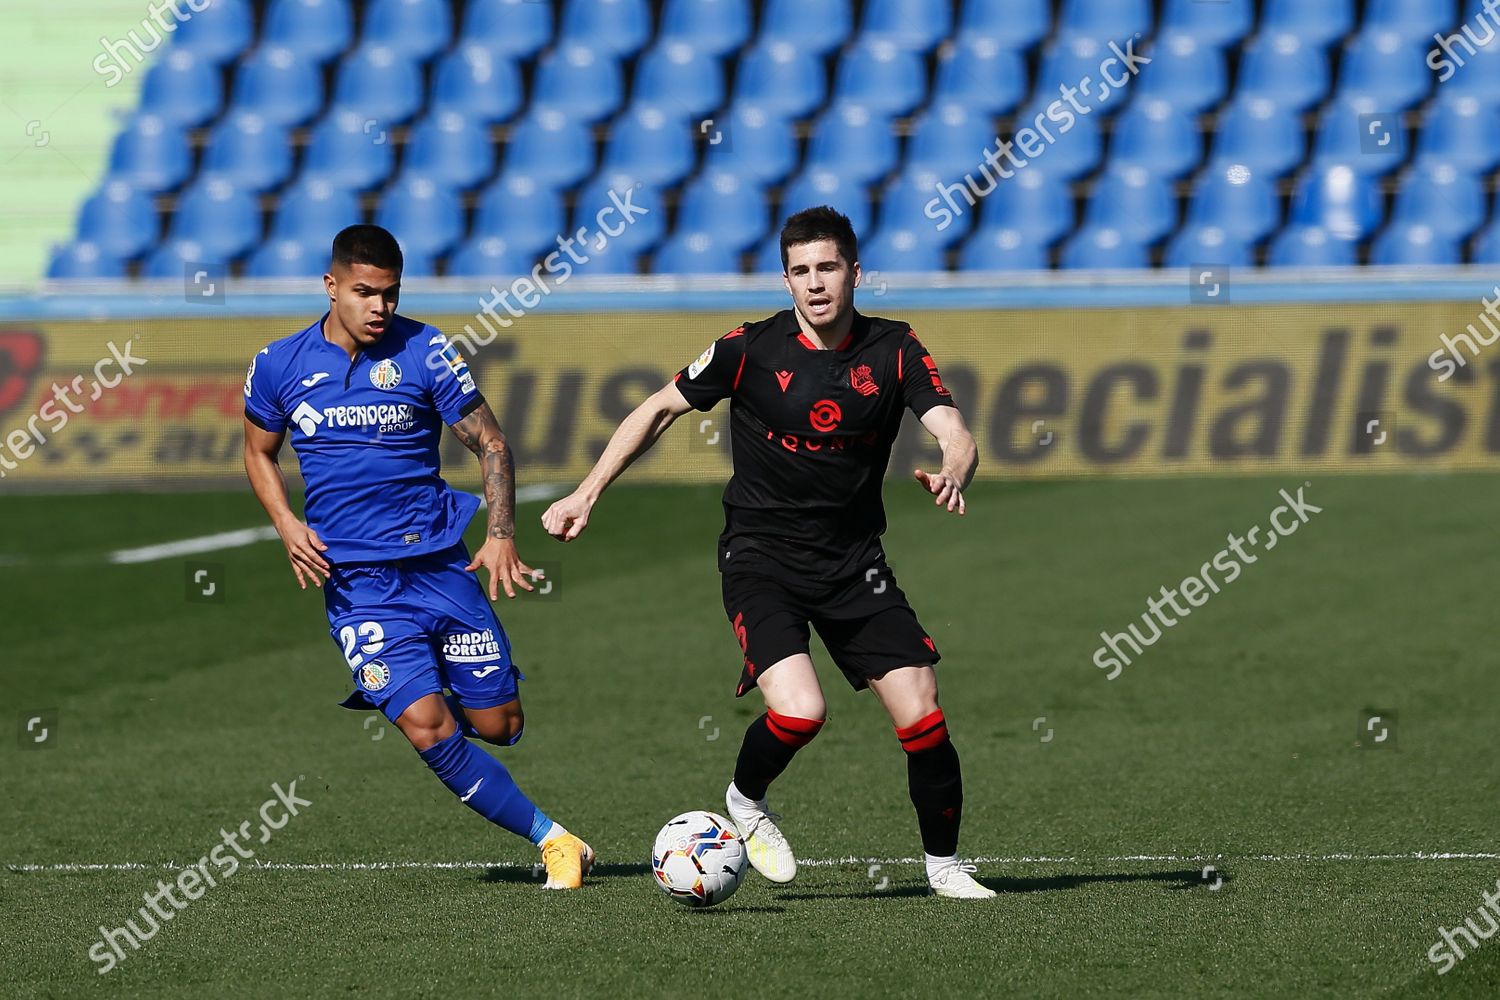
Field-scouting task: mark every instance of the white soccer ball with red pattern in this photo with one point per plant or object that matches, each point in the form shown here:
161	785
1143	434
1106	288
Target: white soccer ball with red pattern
698	859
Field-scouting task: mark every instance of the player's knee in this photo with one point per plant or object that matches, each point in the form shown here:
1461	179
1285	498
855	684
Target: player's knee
503	730
427	722
801	704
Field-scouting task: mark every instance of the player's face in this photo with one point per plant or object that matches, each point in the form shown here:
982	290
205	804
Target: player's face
363	297
822	283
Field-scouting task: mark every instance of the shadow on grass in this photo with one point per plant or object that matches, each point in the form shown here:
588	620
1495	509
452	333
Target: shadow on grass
535	874
1188	879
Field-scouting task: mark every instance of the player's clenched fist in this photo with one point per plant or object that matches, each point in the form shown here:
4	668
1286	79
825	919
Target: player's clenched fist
944	486
566	519
304	549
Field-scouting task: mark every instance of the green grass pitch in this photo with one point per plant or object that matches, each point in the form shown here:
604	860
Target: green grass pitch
1232	742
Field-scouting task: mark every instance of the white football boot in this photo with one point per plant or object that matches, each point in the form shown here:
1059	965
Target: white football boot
765	846
956	881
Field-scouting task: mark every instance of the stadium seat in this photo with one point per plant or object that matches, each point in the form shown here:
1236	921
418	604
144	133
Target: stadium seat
1134	201
1414	20
151	153
553	148
1478	77
1185	72
1284	68
853	140
1106	20
714	27
379	83
581	82
488	257
119	219
1462	131
651	143
1415	244
1318	24
1093	248
1075	152
882	77
982	74
1439	195
1340	199
595	210
815	26
279	84
223	218
694	251
1233	197
217	32
416	264
283	258
171	259
675	74
477	81
916	25
950	139
782	77
1014	25
82	259
1218	24
349	150
1003	250
727	206
182	88
514	28
619	27
1066	60
1034	202
450	148
1156	136
904	207
1310	246
1350	132
254	153
614	259
1256	132
525	211
1196	244
758	143
767	257
313	210
1487	245
1386	67
423	214
314	29
815	186
418	29
899	250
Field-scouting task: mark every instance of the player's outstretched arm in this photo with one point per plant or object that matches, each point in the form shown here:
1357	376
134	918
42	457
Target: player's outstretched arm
480	432
960	457
303	547
566	519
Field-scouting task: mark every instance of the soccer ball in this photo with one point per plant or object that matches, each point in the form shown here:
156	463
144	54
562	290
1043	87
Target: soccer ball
698	859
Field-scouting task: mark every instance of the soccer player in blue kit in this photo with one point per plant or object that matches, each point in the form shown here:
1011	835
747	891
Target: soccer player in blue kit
363	393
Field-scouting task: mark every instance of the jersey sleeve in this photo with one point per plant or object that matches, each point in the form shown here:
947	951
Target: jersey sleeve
454	393
716	373
263	406
921	386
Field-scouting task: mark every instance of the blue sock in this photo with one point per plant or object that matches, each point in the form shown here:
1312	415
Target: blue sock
482	783
540	825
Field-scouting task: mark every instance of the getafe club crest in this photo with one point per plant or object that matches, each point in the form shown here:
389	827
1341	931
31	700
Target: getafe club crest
386	375
863	381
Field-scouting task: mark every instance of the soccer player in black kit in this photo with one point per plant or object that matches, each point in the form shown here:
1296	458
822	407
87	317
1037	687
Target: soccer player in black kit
817	395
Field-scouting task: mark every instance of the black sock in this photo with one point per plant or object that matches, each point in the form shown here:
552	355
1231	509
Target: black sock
770	743
936	783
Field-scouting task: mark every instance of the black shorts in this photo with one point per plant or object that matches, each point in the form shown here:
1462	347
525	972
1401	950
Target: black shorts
865	622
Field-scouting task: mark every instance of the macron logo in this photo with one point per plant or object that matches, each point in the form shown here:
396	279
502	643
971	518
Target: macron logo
314	379
307	418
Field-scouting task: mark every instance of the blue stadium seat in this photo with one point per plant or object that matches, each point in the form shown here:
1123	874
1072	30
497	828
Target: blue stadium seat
1340	199
981	73
1066	60
1013	24
350	150
223	218
314	29
1003	250
1415	244
524	211
917	25
416	263
758	143
1370	141
695	251
1260	134
1222	23
899	250
781	76
218	32
1184	71
182	88
1136	202
950	139
1487	245
552	147
1319	24
619	27
254	153
171	258
1156	136
1310	246
279	84
451	148
1234	198
675	74
651	143
379	83
313	210
1439	195
82	259
1389	69
904	208
583	83
814	186
882	77
418	29
1478	77
1415	20
614	259
1075	152
119	219
282	258
1106	19
1034	202
480	82
487	257
715	27
1285	69
1093	248
515	28
816	26
151	153
1462	131
1207	245
853	140
767	258
726	205
596	209
423	214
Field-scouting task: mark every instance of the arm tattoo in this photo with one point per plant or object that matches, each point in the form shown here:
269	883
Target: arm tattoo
481	434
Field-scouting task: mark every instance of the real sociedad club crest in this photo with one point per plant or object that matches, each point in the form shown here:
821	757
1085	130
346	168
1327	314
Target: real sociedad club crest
386	375
863	381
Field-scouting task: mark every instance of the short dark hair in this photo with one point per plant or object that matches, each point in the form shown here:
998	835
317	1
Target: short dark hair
821	223
367	245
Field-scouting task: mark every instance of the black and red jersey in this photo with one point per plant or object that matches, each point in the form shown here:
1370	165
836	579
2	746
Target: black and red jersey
811	432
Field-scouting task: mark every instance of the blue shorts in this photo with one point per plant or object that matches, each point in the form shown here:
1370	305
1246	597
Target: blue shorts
412	627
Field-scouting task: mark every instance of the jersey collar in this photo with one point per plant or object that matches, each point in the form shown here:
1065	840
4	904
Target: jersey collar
855	329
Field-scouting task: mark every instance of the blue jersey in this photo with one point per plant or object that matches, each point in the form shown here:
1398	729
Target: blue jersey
366	433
